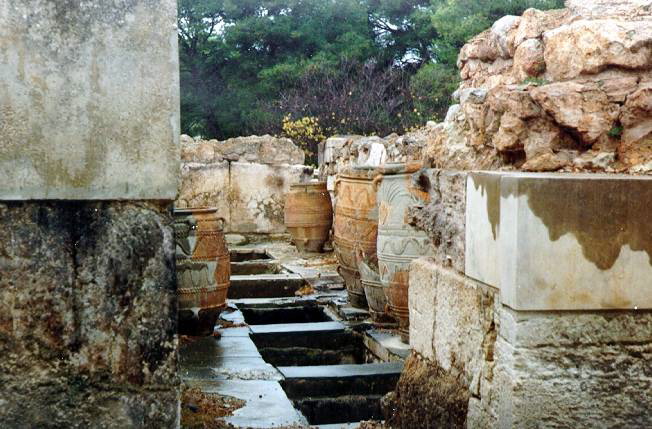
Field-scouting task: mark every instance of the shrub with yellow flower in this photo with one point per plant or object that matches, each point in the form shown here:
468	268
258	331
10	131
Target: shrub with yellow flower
306	132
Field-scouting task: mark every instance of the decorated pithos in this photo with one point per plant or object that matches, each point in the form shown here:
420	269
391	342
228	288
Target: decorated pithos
398	242
356	227
203	269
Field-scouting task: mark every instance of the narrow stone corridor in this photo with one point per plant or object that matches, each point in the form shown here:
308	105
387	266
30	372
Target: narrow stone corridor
289	344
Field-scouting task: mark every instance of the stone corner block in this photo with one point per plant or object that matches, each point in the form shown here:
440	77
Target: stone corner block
576	241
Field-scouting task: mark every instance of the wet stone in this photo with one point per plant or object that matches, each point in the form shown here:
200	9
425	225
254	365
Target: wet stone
87	315
266	404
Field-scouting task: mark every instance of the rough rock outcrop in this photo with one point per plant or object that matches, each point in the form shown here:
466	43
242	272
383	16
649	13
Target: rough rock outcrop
87	315
560	90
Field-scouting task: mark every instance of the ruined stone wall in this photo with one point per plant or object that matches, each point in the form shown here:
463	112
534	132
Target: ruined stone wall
89	154
338	152
246	178
542	318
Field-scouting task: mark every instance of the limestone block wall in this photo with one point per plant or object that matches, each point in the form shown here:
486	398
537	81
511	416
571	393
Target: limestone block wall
536	330
536	302
89	165
246	178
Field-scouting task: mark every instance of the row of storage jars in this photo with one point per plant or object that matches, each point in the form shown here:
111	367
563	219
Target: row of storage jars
373	241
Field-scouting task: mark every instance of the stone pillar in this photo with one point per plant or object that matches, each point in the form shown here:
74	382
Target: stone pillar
89	125
571	256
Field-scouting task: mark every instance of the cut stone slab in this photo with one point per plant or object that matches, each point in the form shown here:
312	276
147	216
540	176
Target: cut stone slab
337	426
255	267
267	405
568	369
340	371
265	286
243	331
340	380
205	351
287	328
575	241
352	313
238	368
276	302
562	241
229	357
231	368
258	195
482	231
205	185
386	346
319	335
90	100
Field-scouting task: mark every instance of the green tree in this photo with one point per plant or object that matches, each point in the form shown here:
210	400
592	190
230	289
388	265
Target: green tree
242	59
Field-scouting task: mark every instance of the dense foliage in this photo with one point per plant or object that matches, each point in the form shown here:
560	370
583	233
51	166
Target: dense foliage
363	66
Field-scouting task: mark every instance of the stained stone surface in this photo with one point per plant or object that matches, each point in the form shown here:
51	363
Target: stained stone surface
257	195
452	321
482	235
527	368
561	241
90	99
569	369
87	315
571	242
250	196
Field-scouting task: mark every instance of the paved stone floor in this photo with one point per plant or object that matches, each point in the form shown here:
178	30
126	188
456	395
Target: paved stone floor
230	363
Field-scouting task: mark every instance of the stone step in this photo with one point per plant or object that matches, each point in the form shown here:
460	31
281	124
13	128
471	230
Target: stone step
265	285
296	328
339	380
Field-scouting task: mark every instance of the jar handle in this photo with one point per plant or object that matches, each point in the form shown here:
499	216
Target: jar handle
335	185
376	182
222	223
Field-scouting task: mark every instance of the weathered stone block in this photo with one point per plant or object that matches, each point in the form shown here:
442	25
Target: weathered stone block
87	315
261	149
443	217
560	241
452	321
483	221
257	195
422	304
570	242
90	100
206	185
566	369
